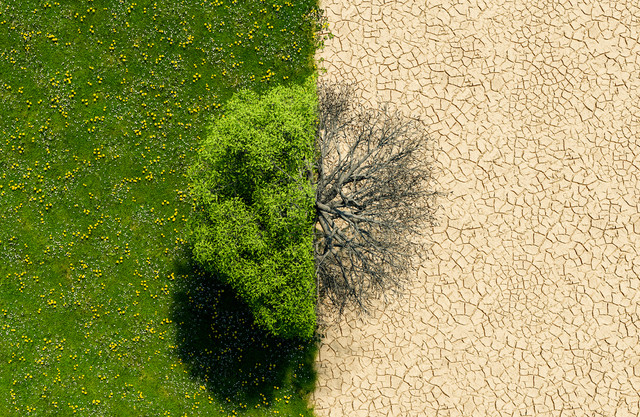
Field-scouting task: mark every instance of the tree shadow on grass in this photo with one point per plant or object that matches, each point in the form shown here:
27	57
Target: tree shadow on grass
222	347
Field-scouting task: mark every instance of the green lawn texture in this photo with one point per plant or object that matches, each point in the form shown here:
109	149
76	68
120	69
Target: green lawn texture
102	107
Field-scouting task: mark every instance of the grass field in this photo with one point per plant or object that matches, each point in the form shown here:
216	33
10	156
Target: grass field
102	106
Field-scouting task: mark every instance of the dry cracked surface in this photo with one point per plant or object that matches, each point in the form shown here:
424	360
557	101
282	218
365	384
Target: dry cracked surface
528	303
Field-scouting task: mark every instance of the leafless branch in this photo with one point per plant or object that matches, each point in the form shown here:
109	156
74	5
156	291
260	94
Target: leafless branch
372	196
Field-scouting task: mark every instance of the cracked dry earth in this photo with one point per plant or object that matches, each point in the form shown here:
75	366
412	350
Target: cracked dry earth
528	303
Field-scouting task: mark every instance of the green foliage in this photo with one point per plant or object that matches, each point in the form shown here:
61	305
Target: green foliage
254	205
102	106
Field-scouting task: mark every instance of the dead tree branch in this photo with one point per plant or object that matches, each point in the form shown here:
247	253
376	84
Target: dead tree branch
372	197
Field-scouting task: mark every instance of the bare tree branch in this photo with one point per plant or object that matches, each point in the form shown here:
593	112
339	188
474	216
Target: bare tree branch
372	196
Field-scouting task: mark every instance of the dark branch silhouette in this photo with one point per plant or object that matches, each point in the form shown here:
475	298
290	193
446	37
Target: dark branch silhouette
372	198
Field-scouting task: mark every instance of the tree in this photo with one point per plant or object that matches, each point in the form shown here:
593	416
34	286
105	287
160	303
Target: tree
372	198
252	224
300	195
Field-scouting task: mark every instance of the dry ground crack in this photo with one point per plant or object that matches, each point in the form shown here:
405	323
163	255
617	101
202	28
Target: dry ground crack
528	305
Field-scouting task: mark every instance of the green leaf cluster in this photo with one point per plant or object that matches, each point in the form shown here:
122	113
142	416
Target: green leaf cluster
254	204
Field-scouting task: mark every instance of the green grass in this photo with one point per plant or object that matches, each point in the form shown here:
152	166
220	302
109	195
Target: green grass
102	106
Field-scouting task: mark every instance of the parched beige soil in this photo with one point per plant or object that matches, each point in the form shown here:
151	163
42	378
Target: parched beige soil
529	302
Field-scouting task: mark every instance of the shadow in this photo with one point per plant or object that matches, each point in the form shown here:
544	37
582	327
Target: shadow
226	351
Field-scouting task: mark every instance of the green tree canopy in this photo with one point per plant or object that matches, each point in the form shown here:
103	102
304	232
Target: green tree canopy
254	204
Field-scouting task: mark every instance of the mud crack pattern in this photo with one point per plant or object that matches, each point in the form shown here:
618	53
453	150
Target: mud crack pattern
528	302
